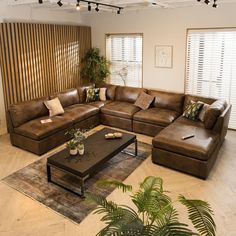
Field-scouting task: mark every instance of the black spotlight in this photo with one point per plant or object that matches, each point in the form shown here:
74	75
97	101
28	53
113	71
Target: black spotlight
207	2
89	6
199	0
118	12
97	9
59	3
215	4
40	1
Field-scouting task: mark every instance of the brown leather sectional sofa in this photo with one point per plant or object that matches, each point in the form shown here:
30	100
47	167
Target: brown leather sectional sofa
162	120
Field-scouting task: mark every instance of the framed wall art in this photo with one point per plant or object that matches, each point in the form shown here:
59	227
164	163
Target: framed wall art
164	56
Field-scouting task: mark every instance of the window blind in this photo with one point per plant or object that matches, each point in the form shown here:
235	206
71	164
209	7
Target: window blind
125	53
211	65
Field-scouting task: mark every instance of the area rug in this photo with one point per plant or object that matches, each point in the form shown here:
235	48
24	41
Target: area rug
32	181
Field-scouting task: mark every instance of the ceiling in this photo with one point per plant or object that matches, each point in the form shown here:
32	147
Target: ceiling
129	5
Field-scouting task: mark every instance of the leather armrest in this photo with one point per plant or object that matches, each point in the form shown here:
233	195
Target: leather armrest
222	123
10	127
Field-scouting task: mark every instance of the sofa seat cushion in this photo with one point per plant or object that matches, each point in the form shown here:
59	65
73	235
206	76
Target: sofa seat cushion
99	104
157	116
80	112
120	109
34	129
201	146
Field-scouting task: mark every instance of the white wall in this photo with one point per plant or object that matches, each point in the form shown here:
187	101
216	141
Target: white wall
161	27
27	14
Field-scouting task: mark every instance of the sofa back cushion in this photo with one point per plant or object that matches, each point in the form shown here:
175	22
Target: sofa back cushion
67	97
213	112
82	91
168	100
110	92
188	98
25	111
128	94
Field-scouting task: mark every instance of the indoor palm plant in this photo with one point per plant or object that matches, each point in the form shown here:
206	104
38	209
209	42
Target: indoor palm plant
155	214
95	68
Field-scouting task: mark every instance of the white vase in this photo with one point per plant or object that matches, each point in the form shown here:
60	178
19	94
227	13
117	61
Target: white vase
73	152
81	149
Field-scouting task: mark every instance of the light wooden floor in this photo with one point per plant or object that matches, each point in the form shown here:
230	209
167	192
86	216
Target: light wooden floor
22	216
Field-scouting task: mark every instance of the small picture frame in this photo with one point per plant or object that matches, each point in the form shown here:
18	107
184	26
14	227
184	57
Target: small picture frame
164	56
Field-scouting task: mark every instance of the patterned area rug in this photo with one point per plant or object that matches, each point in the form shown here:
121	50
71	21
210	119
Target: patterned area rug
32	181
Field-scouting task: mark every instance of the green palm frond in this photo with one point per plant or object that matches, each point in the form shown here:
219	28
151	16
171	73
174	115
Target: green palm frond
165	216
171	229
150	197
121	221
200	213
118	218
116	184
103	206
152	183
155	215
174	229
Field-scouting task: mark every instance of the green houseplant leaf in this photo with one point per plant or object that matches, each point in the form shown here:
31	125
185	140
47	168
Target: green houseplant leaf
94	68
155	214
200	213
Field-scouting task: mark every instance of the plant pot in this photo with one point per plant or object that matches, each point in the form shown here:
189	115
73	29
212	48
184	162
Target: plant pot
73	152
81	149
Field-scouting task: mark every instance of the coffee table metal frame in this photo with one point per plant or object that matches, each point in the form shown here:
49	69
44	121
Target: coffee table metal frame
82	179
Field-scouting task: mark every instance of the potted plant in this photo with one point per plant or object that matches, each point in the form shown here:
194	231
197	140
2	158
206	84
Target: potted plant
95	68
155	214
81	148
72	146
79	137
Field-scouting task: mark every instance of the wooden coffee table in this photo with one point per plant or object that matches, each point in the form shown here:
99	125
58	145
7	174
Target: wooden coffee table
98	151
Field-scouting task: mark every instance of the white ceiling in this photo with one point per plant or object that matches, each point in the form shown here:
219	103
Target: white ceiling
69	5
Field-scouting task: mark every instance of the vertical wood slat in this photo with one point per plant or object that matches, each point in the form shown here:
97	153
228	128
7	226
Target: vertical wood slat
39	59
3	65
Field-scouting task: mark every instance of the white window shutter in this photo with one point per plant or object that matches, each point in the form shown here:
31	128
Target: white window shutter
125	54
211	65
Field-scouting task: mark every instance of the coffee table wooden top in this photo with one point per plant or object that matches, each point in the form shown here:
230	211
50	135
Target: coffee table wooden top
98	150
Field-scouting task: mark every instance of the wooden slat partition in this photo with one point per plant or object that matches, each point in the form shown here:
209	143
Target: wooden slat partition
38	59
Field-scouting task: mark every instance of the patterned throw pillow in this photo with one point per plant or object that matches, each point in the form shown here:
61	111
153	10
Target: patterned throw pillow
192	110
92	94
144	101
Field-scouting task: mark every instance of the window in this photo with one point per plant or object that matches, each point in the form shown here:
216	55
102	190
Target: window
211	65
125	53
